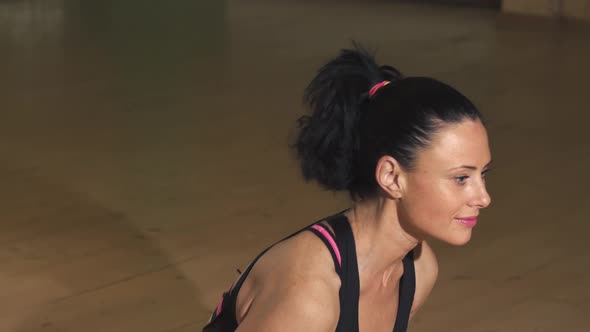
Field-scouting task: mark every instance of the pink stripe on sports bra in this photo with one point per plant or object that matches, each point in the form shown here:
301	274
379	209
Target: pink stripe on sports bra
219	306
330	240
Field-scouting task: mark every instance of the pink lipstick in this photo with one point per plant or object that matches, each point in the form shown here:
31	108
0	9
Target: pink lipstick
469	221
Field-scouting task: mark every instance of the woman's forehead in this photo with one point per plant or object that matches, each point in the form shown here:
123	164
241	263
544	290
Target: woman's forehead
461	144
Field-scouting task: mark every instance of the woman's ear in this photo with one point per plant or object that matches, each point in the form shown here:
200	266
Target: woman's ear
389	176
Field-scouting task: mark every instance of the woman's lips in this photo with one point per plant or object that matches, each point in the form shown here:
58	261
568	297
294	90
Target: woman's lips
469	221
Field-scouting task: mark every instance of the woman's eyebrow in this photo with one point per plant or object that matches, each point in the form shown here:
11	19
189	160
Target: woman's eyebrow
471	167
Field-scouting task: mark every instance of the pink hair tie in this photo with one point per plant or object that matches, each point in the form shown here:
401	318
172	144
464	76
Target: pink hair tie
377	87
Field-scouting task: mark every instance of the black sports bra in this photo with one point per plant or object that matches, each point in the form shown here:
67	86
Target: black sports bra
342	248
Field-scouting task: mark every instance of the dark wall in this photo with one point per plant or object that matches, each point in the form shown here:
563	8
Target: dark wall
473	3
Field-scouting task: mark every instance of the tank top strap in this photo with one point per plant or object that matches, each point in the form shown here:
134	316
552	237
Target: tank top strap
329	240
407	289
350	283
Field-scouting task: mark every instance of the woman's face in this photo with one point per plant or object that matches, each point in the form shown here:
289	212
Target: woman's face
448	184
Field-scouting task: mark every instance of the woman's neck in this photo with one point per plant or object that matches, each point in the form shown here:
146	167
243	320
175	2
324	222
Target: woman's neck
381	243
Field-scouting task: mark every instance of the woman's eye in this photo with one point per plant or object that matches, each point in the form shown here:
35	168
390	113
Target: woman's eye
461	179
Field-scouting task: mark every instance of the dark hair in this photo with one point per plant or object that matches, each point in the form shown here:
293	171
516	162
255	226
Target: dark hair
340	143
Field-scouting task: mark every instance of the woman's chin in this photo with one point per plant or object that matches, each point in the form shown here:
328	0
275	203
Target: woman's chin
459	238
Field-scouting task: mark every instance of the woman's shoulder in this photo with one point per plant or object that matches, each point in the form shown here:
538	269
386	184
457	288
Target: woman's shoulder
296	272
303	256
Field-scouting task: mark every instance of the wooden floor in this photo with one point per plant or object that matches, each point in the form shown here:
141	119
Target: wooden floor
144	156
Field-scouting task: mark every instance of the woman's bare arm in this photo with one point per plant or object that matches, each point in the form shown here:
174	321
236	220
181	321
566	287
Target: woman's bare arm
305	305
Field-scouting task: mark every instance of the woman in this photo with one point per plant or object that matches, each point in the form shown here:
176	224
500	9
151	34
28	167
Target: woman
412	152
